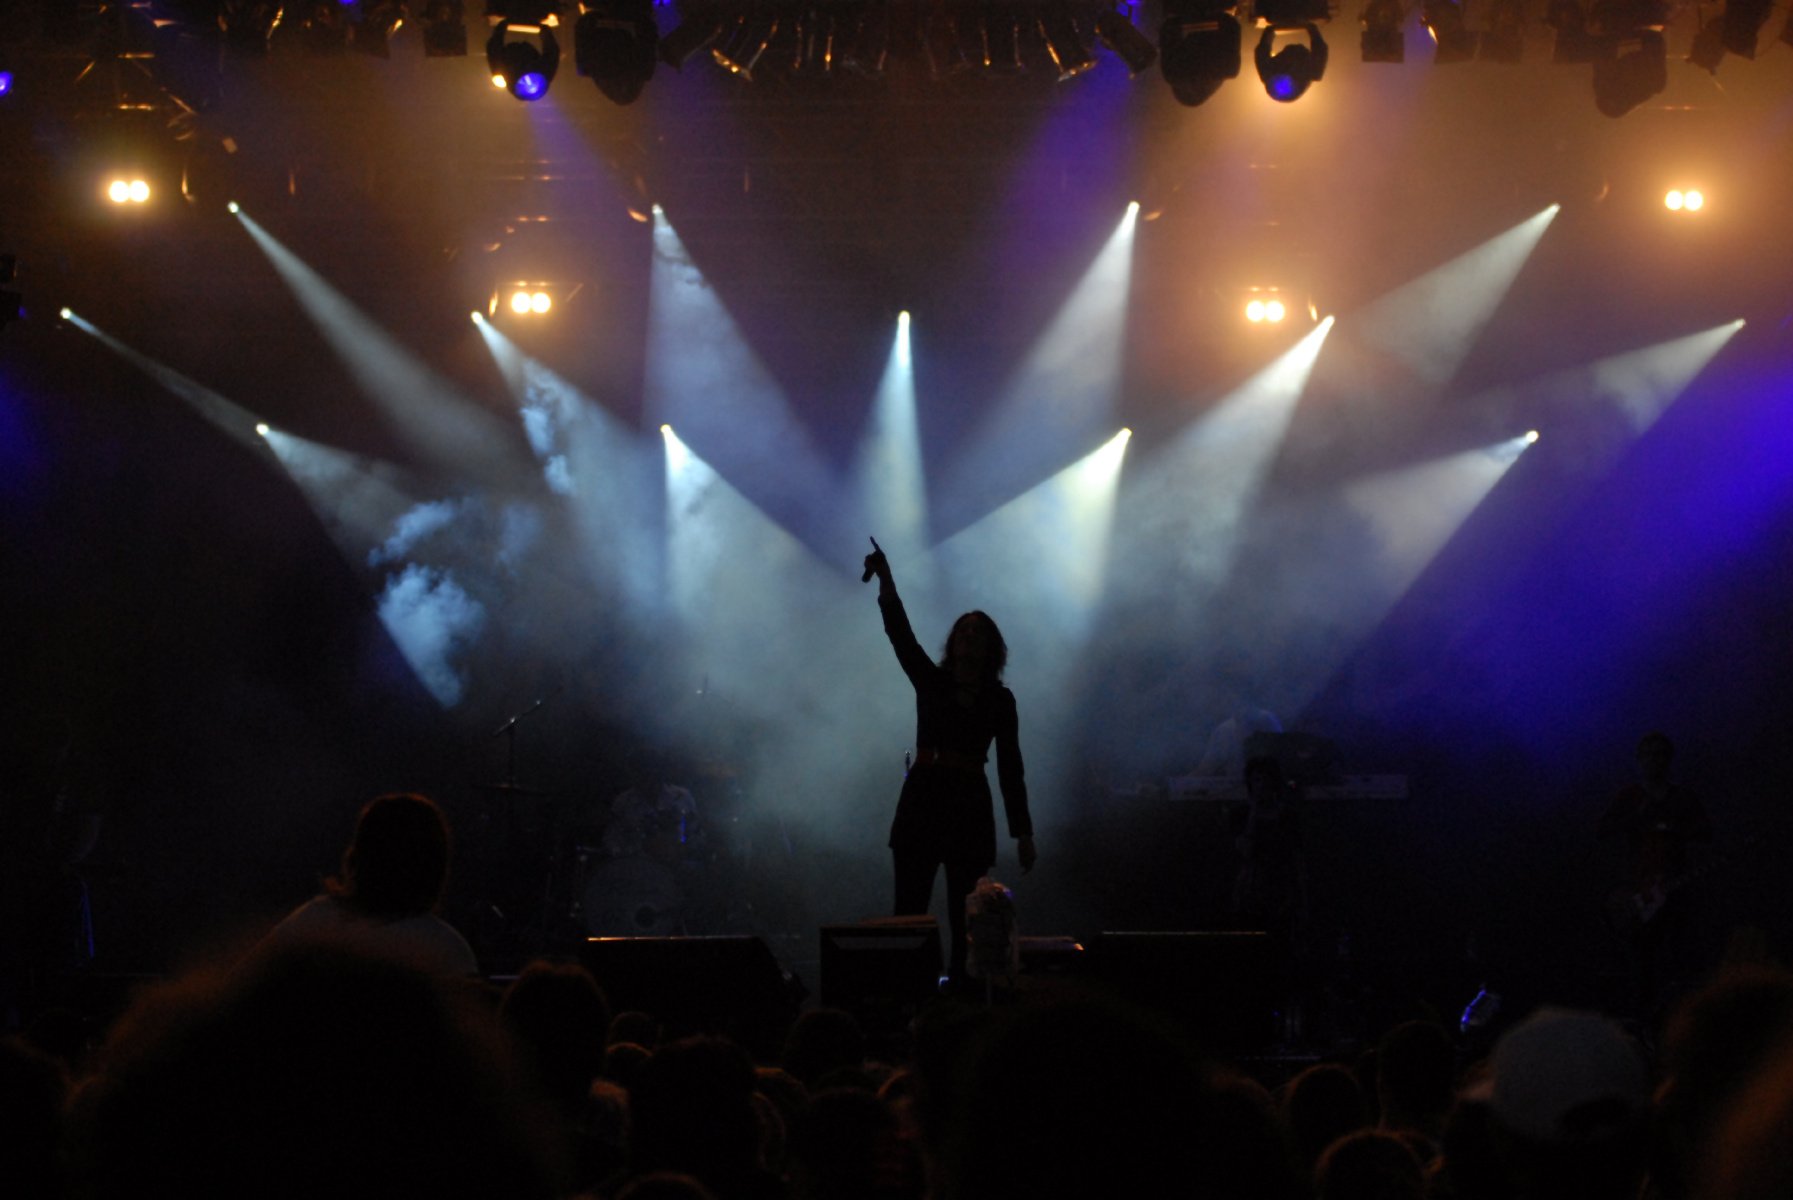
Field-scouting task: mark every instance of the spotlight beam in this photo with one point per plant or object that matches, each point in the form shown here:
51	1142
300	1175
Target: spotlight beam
1039	565
599	467
741	587
1431	324
228	416
1064	392
1191	505
1638	384
893	491
356	499
427	412
1410	514
703	378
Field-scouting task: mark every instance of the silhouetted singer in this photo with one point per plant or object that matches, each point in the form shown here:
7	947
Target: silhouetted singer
945	815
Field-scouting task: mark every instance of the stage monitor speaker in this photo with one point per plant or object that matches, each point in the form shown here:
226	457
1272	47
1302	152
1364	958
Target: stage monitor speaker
720	985
887	966
1222	987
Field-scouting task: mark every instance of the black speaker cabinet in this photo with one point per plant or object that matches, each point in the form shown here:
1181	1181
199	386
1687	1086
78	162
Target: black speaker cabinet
721	985
886	966
1223	987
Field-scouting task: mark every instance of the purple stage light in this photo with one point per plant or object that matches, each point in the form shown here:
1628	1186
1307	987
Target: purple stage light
531	85
5	82
1283	87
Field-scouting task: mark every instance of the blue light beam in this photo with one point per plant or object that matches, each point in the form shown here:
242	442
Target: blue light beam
1413	511
597	464
703	377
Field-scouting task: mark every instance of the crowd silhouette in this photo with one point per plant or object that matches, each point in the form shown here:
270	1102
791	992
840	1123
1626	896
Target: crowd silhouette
329	1060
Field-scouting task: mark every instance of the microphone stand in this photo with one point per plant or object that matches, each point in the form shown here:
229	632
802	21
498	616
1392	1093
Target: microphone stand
508	731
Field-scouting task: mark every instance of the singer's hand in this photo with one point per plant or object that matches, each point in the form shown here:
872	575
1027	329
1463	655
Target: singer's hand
875	564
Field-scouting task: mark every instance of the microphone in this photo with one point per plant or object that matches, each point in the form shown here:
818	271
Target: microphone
510	724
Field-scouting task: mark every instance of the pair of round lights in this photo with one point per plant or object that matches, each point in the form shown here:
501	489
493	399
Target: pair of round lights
527	303
128	191
1260	311
1688	201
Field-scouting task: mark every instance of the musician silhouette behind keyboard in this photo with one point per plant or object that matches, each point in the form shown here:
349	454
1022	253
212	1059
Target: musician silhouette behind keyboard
1658	819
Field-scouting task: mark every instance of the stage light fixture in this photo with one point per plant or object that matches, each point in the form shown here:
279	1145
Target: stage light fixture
1503	41
1287	15
1455	41
1287	73
999	35
444	29
1630	70
1690	201
1266	306
941	44
1575	42
128	189
527	299
867	47
691	35
1383	39
1743	21
248	25
5	82
526	303
261	429
314	27
1069	52
821	40
1117	31
1199	47
372	33
1708	48
744	45
616	45
523	59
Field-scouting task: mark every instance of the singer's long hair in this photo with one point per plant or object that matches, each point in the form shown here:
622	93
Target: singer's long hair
998	657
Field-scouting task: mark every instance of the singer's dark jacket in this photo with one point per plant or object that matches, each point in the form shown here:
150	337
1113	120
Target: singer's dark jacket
946	811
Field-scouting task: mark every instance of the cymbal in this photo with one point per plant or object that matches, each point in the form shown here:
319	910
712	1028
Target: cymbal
511	789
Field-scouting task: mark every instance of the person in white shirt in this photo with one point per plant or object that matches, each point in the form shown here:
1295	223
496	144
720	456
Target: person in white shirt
384	900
